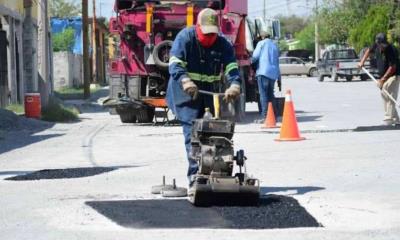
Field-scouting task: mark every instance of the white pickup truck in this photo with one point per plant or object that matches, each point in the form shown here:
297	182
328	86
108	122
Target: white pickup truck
341	63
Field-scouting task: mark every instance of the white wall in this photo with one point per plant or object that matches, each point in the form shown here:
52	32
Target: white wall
68	70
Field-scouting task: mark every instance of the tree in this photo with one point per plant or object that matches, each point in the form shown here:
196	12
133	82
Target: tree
357	21
283	46
335	25
64	41
377	20
306	37
290	25
64	8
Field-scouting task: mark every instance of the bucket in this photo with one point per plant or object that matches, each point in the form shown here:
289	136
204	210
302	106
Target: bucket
278	106
32	104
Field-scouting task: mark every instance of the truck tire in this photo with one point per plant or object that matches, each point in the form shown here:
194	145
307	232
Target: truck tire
145	114
126	114
163	49
364	77
127	117
349	78
321	78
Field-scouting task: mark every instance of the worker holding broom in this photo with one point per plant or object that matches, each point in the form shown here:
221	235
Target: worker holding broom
389	75
198	56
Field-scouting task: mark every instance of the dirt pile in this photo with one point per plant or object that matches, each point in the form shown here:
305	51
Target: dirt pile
11	121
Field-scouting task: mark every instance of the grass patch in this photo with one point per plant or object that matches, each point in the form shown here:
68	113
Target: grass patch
57	112
16	108
68	93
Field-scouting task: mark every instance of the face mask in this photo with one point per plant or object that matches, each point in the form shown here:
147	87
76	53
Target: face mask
206	40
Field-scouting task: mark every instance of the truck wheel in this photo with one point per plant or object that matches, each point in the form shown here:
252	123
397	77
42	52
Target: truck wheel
349	78
364	78
161	54
321	78
145	115
127	117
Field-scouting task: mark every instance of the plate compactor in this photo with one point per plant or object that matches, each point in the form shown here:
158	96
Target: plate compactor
216	182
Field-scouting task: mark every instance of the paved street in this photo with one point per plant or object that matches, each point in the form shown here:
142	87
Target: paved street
345	174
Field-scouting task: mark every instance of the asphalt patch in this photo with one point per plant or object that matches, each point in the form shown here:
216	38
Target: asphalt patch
274	211
62	173
376	128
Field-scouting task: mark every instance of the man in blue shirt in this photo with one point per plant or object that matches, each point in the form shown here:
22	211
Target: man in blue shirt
266	58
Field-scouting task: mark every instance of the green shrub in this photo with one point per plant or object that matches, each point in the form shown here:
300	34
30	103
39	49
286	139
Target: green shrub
64	41
377	20
17	108
57	112
306	37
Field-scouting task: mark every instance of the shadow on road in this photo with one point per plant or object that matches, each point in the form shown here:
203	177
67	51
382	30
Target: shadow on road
310	118
301	116
250	117
274	211
19	139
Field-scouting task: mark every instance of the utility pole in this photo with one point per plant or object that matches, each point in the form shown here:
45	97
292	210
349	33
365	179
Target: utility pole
100	3
85	40
43	52
265	10
94	45
316	33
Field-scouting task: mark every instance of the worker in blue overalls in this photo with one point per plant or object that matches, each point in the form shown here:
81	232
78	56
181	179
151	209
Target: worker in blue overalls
198	58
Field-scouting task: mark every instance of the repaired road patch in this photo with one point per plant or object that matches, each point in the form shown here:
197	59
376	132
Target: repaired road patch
62	173
274	211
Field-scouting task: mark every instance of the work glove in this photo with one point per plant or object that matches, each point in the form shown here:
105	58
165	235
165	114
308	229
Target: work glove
232	93
190	88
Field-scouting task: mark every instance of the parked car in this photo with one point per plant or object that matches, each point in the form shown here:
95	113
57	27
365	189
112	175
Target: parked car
340	63
296	66
303	54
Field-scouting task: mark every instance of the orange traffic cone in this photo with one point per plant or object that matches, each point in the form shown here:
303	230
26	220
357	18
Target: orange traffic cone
270	121
289	129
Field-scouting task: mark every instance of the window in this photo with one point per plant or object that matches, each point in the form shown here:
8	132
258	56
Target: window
344	54
294	61
283	61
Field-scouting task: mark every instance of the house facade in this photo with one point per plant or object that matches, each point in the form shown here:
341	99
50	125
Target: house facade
19	50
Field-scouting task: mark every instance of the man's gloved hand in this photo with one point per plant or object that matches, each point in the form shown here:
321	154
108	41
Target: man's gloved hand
190	88
232	93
